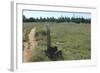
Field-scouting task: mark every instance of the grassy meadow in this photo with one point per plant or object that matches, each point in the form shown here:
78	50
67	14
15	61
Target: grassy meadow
72	39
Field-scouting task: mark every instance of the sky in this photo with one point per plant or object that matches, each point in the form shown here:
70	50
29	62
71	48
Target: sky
38	14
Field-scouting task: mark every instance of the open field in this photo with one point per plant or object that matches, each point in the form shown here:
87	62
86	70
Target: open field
71	38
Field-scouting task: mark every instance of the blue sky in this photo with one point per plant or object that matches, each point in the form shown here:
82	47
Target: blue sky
38	14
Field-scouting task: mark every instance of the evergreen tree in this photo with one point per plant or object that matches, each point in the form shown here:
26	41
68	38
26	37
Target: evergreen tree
58	20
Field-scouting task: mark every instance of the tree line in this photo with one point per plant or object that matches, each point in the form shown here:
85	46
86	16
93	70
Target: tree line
58	20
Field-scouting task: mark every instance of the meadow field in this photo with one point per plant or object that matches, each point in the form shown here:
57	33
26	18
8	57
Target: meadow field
74	40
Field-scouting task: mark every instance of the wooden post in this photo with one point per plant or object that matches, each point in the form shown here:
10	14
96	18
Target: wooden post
48	37
52	51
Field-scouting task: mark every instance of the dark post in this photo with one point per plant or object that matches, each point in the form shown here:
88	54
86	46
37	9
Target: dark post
52	51
48	37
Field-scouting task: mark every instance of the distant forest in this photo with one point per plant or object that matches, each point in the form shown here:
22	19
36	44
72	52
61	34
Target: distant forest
58	20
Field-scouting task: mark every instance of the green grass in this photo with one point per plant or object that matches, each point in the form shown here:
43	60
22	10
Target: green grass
73	39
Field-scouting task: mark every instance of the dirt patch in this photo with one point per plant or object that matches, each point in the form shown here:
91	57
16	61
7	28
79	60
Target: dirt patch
29	47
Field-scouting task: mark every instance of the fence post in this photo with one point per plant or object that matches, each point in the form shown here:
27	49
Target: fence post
48	37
